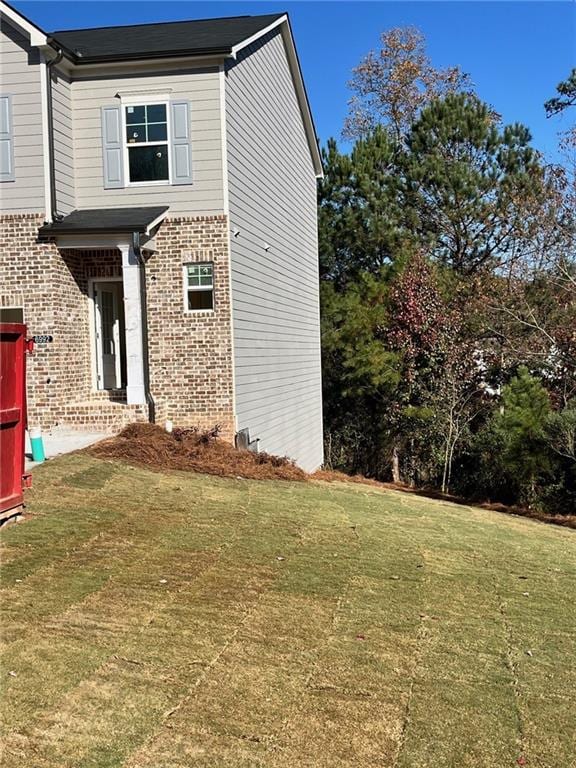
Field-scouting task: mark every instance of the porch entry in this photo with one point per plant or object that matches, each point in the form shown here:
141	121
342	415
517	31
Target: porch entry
110	334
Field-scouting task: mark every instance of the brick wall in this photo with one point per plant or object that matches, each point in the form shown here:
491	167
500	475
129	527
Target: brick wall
34	276
191	368
190	354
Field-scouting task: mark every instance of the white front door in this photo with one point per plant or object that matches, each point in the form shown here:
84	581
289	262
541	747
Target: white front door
107	322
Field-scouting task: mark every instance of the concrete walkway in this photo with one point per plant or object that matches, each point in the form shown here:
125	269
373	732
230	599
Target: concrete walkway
59	441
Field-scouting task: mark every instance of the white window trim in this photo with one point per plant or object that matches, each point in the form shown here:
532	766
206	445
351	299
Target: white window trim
142	101
137	97
188	288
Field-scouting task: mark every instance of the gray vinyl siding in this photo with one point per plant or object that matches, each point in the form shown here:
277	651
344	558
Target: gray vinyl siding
275	303
63	143
202	87
20	72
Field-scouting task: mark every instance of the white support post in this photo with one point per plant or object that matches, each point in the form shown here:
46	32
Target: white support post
135	391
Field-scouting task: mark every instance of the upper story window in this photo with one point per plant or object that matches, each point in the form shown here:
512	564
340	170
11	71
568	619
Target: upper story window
147	143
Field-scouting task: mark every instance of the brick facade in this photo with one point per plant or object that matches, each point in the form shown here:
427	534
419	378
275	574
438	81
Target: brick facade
191	371
190	354
34	276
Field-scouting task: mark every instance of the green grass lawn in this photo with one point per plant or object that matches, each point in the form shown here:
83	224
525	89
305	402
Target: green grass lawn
171	621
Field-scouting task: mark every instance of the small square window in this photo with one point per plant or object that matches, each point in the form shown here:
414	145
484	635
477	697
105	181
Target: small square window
156	113
199	286
135	115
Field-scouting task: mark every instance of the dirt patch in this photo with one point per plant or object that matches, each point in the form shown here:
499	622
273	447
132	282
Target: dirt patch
192	450
332	476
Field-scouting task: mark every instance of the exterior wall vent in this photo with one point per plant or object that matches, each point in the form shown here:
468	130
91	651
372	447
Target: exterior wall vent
243	442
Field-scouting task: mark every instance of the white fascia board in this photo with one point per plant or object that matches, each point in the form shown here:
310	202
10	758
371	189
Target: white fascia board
92	242
37	37
156	222
298	80
249	40
162	65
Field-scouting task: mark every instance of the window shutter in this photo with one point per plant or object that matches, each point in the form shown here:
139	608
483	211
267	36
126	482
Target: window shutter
6	140
112	149
181	149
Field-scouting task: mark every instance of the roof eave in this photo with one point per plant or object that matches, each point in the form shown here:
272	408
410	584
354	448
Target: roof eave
257	35
198	53
49	230
37	36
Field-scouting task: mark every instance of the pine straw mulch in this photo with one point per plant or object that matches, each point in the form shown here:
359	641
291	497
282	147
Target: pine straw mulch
151	446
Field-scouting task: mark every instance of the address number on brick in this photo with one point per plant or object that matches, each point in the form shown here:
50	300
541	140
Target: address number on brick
42	339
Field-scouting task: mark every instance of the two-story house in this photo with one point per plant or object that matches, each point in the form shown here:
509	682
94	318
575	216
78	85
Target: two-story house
158	220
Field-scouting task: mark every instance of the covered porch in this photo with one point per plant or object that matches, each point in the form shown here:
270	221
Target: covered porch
105	251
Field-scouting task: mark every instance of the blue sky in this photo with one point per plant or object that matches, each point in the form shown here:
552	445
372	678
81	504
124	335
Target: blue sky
516	52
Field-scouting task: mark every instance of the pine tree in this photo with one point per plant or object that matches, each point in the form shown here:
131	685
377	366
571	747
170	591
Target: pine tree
522	422
468	182
566	95
357	208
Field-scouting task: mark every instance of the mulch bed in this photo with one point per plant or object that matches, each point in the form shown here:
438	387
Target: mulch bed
193	450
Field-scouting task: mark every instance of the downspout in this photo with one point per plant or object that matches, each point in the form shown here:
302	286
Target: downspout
53	204
149	399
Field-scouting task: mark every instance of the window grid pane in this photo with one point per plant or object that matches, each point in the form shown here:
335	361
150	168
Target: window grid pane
148	163
200	286
200	300
146	123
136	133
200	276
156	113
135	115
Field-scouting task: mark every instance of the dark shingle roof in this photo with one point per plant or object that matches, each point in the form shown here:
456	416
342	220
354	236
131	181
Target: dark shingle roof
205	36
103	220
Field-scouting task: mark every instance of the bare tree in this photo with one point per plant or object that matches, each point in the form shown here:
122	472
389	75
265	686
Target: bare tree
392	85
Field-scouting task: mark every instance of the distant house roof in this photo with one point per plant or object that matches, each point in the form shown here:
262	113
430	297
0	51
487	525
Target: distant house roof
177	38
100	221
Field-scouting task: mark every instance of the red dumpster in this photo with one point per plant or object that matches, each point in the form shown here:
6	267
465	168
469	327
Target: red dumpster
12	416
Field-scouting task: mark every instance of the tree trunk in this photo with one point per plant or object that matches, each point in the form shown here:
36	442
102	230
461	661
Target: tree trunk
450	460
445	471
396	465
